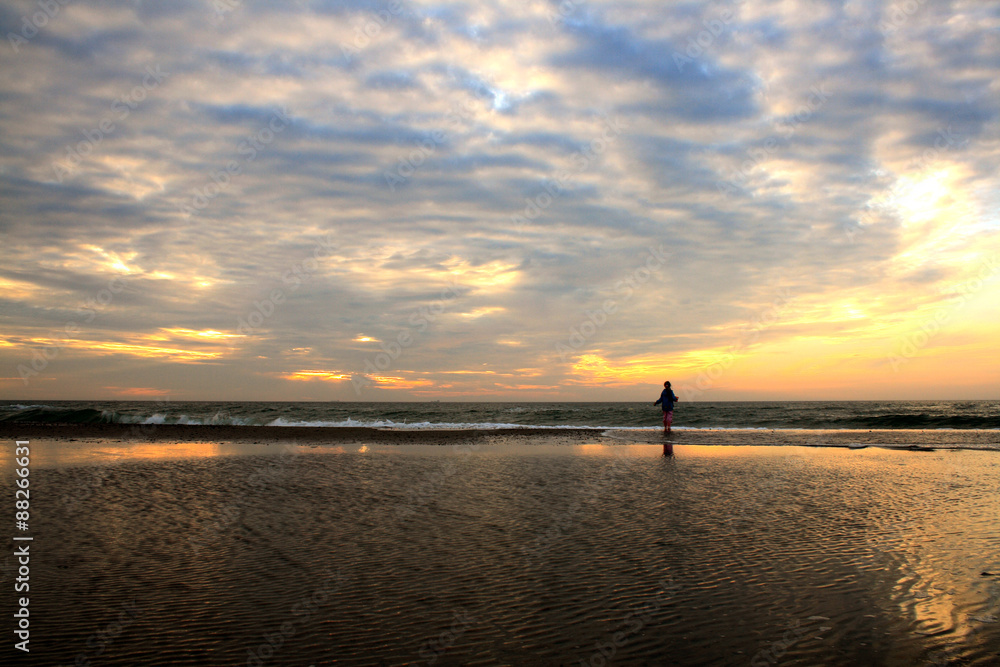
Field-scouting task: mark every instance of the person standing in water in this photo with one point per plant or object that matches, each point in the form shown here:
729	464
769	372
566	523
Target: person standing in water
667	399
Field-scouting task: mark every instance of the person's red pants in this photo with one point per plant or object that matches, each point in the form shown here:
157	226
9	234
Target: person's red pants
668	418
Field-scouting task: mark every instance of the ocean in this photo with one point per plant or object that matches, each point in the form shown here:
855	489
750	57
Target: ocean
454	415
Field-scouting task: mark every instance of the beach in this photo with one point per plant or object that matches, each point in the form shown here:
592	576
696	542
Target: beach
506	548
324	435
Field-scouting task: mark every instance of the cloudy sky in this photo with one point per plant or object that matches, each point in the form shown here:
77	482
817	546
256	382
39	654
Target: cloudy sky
367	200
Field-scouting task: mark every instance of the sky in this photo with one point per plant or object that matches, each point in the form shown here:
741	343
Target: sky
516	201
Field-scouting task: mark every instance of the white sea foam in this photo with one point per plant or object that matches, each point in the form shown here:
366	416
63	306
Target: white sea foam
459	426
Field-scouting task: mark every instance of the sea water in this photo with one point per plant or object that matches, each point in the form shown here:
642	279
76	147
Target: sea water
480	415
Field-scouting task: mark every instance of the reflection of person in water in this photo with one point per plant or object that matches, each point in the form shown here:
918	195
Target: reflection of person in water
667	398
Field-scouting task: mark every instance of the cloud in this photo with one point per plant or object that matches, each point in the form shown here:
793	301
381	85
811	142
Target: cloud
298	175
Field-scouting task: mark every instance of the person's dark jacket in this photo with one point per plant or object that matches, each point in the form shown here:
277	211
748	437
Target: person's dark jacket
667	398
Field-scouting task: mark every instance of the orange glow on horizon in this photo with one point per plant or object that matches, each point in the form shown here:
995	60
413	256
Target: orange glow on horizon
326	376
205	334
133	349
138	392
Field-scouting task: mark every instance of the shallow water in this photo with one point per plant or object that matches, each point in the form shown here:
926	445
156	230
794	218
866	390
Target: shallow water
505	554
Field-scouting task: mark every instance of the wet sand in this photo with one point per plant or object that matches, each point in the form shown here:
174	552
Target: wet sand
901	438
231	433
497	550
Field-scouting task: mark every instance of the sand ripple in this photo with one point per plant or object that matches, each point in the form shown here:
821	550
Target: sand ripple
797	556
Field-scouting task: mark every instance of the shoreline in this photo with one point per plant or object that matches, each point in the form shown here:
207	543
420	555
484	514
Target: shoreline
916	439
309	434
